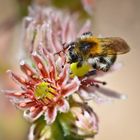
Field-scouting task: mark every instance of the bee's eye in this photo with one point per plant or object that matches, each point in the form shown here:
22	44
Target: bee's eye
73	56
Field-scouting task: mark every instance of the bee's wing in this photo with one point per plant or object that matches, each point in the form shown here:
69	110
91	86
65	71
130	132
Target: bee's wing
114	45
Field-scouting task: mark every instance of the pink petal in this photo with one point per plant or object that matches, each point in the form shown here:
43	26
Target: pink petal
28	71
51	62
52	48
89	6
64	75
31	135
52	68
86	28
90	93
14	94
110	93
50	114
52	35
85	95
65	29
60	61
27	21
40	65
17	79
32	115
19	98
99	95
69	30
24	105
64	106
70	88
37	38
56	43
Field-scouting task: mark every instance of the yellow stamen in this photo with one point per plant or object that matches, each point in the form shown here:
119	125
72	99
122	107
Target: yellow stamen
44	89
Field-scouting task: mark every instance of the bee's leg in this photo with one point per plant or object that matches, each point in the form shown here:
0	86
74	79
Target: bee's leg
79	64
95	66
94	62
106	62
90	73
104	67
103	64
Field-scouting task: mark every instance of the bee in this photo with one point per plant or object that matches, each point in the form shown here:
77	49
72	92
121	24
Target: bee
87	54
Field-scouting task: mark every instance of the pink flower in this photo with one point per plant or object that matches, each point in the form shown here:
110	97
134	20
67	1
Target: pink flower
44	90
86	121
51	28
89	6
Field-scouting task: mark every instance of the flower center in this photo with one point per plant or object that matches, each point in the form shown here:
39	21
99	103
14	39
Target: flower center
45	90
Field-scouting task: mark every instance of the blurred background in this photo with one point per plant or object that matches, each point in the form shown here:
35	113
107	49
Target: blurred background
118	120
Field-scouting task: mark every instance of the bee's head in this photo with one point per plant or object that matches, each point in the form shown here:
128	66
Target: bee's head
73	56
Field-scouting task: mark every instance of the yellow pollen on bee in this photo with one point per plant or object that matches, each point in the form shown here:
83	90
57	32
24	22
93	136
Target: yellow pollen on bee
79	71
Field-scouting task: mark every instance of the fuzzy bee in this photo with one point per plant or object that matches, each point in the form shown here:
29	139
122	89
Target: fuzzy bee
87	54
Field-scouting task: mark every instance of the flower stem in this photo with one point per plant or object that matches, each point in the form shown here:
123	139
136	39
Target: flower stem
56	130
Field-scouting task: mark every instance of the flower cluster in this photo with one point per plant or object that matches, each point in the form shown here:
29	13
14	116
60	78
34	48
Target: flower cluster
49	28
47	87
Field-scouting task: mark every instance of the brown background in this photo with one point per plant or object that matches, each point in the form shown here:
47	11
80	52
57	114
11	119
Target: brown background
119	120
